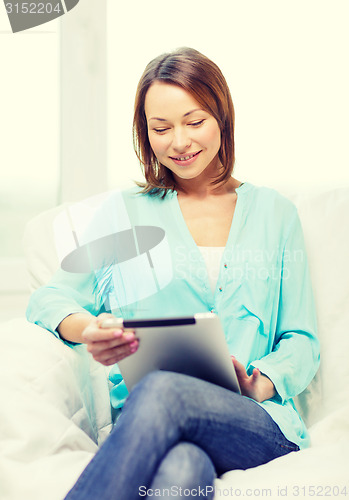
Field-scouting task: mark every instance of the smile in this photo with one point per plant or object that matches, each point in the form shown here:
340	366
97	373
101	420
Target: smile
182	158
186	158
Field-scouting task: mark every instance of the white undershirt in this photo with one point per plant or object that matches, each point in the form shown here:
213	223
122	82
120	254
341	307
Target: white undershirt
212	257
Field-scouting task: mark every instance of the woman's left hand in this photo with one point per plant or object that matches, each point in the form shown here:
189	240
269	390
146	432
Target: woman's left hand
255	386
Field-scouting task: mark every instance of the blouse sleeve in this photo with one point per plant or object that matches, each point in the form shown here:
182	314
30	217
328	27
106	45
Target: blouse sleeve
77	292
295	356
66	294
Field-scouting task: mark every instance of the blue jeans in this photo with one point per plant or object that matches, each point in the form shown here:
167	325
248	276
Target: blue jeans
177	431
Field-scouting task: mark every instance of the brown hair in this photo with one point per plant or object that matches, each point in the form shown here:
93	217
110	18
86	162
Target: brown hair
203	80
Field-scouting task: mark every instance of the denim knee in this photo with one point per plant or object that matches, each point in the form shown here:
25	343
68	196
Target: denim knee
158	387
155	398
189	464
185	465
160	380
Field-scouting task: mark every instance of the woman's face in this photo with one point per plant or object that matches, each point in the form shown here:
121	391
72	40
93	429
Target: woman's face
184	137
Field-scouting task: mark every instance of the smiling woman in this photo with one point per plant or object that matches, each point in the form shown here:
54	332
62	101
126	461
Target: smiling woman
183	132
199	123
185	138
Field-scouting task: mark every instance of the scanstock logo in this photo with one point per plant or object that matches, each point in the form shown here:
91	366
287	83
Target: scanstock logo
25	15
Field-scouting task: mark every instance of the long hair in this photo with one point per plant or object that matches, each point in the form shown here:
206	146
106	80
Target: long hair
204	81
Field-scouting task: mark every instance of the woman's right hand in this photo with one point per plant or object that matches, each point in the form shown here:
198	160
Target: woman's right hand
108	345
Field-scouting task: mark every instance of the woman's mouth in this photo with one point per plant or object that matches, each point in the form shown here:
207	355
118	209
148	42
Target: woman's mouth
185	159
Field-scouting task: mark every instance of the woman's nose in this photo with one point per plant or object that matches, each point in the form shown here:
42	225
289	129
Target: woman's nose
181	141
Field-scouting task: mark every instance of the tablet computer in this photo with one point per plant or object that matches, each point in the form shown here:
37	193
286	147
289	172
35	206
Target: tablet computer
192	345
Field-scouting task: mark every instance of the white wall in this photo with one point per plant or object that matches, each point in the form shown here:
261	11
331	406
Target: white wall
29	128
29	146
286	65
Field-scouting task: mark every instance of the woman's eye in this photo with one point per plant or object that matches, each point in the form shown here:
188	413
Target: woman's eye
160	130
197	124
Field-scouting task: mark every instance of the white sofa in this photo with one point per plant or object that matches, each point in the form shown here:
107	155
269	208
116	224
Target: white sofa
55	408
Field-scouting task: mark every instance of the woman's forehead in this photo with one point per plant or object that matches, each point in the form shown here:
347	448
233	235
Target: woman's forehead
165	99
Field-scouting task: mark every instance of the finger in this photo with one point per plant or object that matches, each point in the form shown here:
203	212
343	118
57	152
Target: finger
110	323
115	359
104	356
239	368
103	345
95	334
255	375
103	316
117	353
101	320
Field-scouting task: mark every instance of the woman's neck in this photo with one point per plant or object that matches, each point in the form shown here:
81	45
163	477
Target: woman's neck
202	190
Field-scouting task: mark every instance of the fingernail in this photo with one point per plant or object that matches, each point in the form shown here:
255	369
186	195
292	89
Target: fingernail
118	333
129	336
233	357
134	346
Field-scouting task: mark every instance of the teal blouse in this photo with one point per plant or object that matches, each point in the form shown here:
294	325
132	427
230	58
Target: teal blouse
263	294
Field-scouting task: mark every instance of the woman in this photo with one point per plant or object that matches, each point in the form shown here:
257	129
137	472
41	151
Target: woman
230	248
